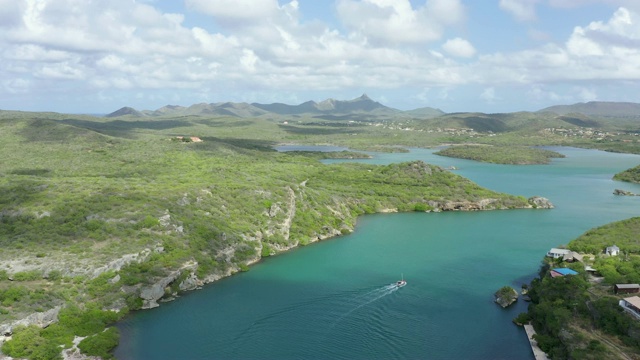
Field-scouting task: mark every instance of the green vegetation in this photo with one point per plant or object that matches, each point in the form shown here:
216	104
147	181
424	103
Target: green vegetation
515	155
34	343
78	193
92	210
578	317
630	175
623	234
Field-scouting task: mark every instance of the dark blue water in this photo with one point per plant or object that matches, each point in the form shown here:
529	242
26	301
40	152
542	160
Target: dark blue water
332	300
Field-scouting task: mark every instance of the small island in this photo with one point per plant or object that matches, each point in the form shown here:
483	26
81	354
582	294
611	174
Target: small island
506	296
508	155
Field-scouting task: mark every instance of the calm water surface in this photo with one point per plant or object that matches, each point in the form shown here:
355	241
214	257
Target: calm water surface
332	300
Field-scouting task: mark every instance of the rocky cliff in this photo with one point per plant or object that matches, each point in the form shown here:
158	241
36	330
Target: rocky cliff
506	296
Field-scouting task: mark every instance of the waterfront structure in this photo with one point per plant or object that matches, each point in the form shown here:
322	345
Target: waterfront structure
557	253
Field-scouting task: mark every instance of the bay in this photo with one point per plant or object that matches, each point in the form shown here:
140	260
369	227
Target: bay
334	300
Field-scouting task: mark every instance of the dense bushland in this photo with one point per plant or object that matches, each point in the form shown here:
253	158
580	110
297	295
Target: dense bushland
515	155
569	312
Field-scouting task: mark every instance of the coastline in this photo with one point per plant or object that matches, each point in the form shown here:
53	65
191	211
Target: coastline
537	352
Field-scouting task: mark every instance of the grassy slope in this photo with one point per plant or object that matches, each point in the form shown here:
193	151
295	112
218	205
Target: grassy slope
515	155
577	317
78	192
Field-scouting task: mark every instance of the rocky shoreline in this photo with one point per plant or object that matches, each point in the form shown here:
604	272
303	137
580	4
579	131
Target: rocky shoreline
158	292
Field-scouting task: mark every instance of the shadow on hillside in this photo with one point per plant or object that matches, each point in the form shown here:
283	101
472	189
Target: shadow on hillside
14	194
213	143
579	122
122	128
318	131
31	172
483	124
217	123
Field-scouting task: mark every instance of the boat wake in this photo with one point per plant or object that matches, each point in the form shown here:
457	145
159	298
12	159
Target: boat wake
366	299
314	318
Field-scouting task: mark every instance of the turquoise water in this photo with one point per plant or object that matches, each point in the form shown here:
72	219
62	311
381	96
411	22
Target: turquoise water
332	300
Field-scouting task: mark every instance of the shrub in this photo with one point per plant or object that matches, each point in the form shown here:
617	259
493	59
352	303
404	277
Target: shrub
100	344
27	342
27	275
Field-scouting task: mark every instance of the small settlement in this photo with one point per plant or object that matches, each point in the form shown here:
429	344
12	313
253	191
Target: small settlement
629	304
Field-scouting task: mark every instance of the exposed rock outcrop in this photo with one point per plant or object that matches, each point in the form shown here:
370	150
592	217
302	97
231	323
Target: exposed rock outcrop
623	193
506	296
152	293
41	319
540	203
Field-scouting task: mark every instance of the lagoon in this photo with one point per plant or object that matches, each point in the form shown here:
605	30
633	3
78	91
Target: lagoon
333	300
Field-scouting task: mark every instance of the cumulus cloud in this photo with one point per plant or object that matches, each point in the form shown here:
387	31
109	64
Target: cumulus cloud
489	95
602	50
522	10
100	47
619	36
236	13
459	47
397	21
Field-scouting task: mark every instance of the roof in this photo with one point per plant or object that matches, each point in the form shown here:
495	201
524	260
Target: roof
589	268
612	248
565	271
633	300
572	255
555	274
628	286
559	251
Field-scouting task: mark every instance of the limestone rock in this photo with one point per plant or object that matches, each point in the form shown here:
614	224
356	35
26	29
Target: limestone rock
506	296
152	293
41	319
623	192
190	283
540	202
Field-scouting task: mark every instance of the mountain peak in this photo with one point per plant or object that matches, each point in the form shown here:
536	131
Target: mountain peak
125	111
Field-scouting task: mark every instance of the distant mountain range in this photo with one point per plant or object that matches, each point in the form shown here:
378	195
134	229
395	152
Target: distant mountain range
360	108
598	108
331	109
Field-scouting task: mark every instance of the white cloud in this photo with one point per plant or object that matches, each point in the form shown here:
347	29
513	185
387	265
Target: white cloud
230	12
94	47
396	21
621	34
586	94
17	86
459	47
489	95
541	94
600	51
522	10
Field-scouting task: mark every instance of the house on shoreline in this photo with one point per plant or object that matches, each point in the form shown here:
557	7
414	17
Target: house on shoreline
557	253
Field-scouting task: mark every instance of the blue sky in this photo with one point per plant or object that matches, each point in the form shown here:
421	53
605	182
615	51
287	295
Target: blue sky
93	56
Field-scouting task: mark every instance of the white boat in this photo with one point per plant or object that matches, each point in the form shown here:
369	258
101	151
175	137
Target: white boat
400	283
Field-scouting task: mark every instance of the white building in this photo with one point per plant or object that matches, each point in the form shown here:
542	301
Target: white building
612	250
558	253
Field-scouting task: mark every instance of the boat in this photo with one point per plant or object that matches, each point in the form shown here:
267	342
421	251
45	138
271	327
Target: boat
400	283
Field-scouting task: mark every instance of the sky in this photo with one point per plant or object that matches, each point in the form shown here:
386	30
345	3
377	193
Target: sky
96	56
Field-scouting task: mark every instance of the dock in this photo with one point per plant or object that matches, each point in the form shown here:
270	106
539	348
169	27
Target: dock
537	352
